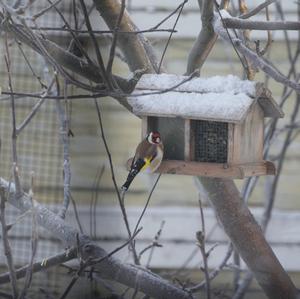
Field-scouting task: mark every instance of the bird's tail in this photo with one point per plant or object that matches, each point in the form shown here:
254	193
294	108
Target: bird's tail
135	169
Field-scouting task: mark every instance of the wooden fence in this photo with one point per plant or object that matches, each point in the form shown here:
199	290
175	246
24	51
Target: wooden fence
177	237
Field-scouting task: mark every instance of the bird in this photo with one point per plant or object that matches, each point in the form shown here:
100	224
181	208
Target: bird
148	156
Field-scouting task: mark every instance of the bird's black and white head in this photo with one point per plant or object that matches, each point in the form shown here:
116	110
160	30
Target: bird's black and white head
154	137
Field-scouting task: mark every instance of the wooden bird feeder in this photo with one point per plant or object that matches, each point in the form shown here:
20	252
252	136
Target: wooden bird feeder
210	127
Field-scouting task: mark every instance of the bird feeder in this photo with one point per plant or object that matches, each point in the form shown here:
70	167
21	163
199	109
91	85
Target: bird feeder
210	127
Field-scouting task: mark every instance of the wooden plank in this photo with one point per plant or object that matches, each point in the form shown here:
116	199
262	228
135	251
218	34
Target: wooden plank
218	170
144	127
230	145
267	102
258	169
187	139
248	137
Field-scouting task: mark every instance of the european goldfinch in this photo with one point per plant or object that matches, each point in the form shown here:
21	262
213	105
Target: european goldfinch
148	156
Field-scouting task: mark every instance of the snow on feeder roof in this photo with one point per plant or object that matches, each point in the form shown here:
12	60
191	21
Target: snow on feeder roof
218	98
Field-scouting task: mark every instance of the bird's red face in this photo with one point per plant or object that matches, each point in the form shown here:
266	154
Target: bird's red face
154	137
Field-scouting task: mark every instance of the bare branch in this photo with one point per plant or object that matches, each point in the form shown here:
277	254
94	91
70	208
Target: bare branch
236	23
213	274
95	43
114	40
140	54
6	245
14	128
119	195
154	244
205	40
180	8
257	9
52	261
110	268
201	237
257	61
243	230
61	56
84	265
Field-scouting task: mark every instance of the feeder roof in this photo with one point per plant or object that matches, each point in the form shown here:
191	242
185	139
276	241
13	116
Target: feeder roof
216	98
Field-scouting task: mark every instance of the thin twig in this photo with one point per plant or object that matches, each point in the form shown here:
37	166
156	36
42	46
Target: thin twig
76	213
213	274
43	11
155	244
44	264
103	94
14	130
112	268
38	78
257	9
114	40
75	39
120	198
34	109
147	203
171	34
93	203
229	37
201	238
95	43
270	200
269	39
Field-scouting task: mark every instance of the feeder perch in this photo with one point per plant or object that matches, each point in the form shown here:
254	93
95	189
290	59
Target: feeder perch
210	127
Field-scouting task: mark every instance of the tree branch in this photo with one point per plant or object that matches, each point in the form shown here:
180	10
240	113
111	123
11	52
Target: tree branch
61	56
236	23
6	246
247	237
256	60
257	9
206	38
42	265
140	54
110	268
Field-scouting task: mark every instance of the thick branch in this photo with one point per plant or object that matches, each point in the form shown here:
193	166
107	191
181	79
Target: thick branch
136	48
206	39
109	268
236	23
248	239
61	56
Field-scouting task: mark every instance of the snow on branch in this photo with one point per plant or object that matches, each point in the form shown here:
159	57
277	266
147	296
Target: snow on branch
256	60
